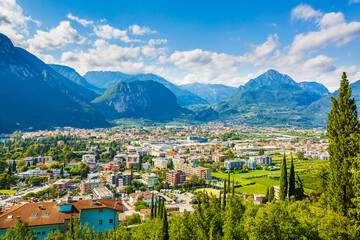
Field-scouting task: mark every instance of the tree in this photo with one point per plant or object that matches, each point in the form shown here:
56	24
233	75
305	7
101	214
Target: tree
267	194
300	155
141	205
292	178
9	170
165	229
129	189
283	180
14	166
299	190
228	182
21	230
245	168
62	172
343	132
152	207
261	152
74	232
271	194
155	207
224	197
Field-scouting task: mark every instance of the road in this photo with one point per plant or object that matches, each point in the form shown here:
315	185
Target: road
19	195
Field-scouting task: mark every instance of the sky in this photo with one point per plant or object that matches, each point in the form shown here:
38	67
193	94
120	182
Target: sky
226	42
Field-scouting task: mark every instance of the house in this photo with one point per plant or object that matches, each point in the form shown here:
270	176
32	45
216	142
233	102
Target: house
44	217
73	164
150	179
219	157
160	163
146	166
191	170
103	193
141	196
62	184
259	198
90	158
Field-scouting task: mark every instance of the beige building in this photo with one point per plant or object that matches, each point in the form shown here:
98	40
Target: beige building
87	186
191	170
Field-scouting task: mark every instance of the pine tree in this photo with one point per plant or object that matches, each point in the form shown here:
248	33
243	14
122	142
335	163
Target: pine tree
283	180
228	182
267	194
224	197
271	194
152	207
10	170
165	224
155	207
292	178
343	132
233	188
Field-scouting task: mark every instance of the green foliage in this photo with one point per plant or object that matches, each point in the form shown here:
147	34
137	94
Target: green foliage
283	180
292	178
141	205
19	231
343	132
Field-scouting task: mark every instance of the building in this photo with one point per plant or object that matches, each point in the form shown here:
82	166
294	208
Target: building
146	166
89	158
103	193
219	157
277	192
150	179
119	179
87	186
44	217
175	176
234	164
191	170
62	184
160	163
141	196
259	198
262	160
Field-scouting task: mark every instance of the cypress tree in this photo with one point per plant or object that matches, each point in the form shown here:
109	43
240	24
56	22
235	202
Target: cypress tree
155	207
283	180
343	134
299	190
267	194
271	194
152	207
160	208
165	224
62	172
224	198
228	182
14	166
10	170
292	178
233	188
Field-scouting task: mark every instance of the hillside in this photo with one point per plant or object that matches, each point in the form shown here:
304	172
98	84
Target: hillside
212	93
105	79
74	76
139	99
38	97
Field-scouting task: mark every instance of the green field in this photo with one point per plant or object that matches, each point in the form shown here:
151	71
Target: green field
257	181
209	190
7	192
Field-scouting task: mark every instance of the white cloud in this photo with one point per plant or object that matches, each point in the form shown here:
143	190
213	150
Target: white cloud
137	30
83	22
105	56
13	22
354	1
108	32
153	42
57	37
305	12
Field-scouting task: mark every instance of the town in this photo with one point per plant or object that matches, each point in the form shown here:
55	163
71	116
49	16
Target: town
108	177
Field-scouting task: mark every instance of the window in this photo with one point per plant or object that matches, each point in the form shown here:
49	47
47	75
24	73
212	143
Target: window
43	233
46	214
53	230
34	215
100	210
111	221
100	222
9	217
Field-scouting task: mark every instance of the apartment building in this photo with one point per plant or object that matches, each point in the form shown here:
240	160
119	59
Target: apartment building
190	170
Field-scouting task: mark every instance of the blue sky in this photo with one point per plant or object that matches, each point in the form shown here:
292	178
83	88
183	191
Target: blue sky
226	42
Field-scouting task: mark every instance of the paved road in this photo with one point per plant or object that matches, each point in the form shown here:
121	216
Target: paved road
13	197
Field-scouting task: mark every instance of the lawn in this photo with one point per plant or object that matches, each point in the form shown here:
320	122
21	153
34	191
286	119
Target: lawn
209	190
7	192
251	189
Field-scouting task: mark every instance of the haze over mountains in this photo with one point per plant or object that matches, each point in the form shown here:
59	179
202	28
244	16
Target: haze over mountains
36	95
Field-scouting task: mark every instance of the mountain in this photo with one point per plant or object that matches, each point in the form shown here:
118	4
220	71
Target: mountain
105	79
314	87
319	109
38	97
212	93
270	98
74	76
139	99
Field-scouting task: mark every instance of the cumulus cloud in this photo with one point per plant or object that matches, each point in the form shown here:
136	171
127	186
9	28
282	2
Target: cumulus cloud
13	22
104	56
57	37
83	22
305	12
108	32
137	30
153	42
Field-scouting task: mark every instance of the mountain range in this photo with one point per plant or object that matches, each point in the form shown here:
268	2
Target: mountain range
105	79
35	95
